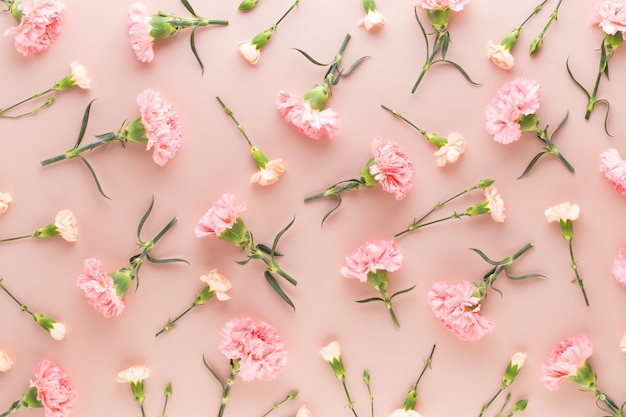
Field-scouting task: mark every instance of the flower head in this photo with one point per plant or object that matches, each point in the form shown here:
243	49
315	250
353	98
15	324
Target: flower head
392	168
249	52
622	343
39	26
257	346
619	266
331	351
5	199
65	221
58	331
54	389
79	75
162	125
306	118
610	16
220	217
270	173
451	151
304	411
614	169
495	204
217	283
372	256
401	412
372	20
6	362
100	289
457	308
566	358
516	98
562	212
139	29
454	5
500	55
134	374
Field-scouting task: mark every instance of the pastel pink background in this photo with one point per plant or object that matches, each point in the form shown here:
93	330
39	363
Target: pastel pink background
532	316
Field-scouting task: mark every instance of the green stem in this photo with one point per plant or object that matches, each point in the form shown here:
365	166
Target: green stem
395	113
591	103
2	111
337	60
334	190
143	412
76	151
14	407
553	17
387	302
22	306
429	61
413	226
226	391
536	10
289	397
15	238
232	116
349	399
486	406
293	6
579	281
185	22
171	323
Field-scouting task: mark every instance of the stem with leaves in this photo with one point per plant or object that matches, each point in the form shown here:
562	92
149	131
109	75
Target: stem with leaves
290	396
574	266
537	43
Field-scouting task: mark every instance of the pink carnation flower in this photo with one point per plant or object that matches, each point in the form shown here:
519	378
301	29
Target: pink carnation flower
619	266
139	30
516	98
455	5
450	152
392	168
371	256
457	308
5	200
614	169
610	16
256	345
500	56
39	27
270	174
298	113
162	125
99	289
495	204
220	217
54	389
564	360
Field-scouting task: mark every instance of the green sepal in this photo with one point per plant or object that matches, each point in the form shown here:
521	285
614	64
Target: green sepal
378	279
567	228
44	321
46	231
535	45
317	96
121	280
485	183
529	123
246	5
520	406
259	158
262	38
477	209
367	179
135	132
29	399
161	26
137	388
66	82
585	377
203	296
436	139
439	18
238	234
509	40
337	366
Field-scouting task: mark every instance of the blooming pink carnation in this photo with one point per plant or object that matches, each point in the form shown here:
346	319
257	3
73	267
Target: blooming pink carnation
614	169
570	354
610	15
455	5
298	113
619	266
392	168
457	309
40	26
99	289
500	55
54	389
371	256
257	345
516	98
162	125
220	217
139	30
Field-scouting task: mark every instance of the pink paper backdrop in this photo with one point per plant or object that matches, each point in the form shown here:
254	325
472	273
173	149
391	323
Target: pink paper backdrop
532	316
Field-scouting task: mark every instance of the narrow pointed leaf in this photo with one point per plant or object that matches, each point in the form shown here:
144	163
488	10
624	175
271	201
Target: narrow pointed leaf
83	125
457	66
402	292
267	250
189	8
165	261
192	41
485	258
332	210
532	163
287	277
93	175
369	300
212	372
279	235
569	71
606	115
274	284
522	277
144	218
560	124
310	58
245	261
353	66
419	22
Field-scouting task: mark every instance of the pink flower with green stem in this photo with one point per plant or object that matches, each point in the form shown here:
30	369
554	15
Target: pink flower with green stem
255	351
251	50
56	329
492	204
512	111
373	18
77	77
331	353
390	168
569	360
537	43
135	376
158	126
438	13
217	285
105	292
145	28
309	114
64	225
408	409
564	214
449	150
610	16
51	389
370	263
39	24
457	307
510	373
269	171
222	220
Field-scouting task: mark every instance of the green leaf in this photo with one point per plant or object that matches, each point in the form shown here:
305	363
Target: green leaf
93	175
522	277
83	125
419	22
402	292
353	66
485	258
287	277
369	300
144	218
561	124
213	373
279	235
457	66
532	163
332	210
164	261
245	261
310	58
606	116
267	250
189	8
274	284
192	41
569	71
